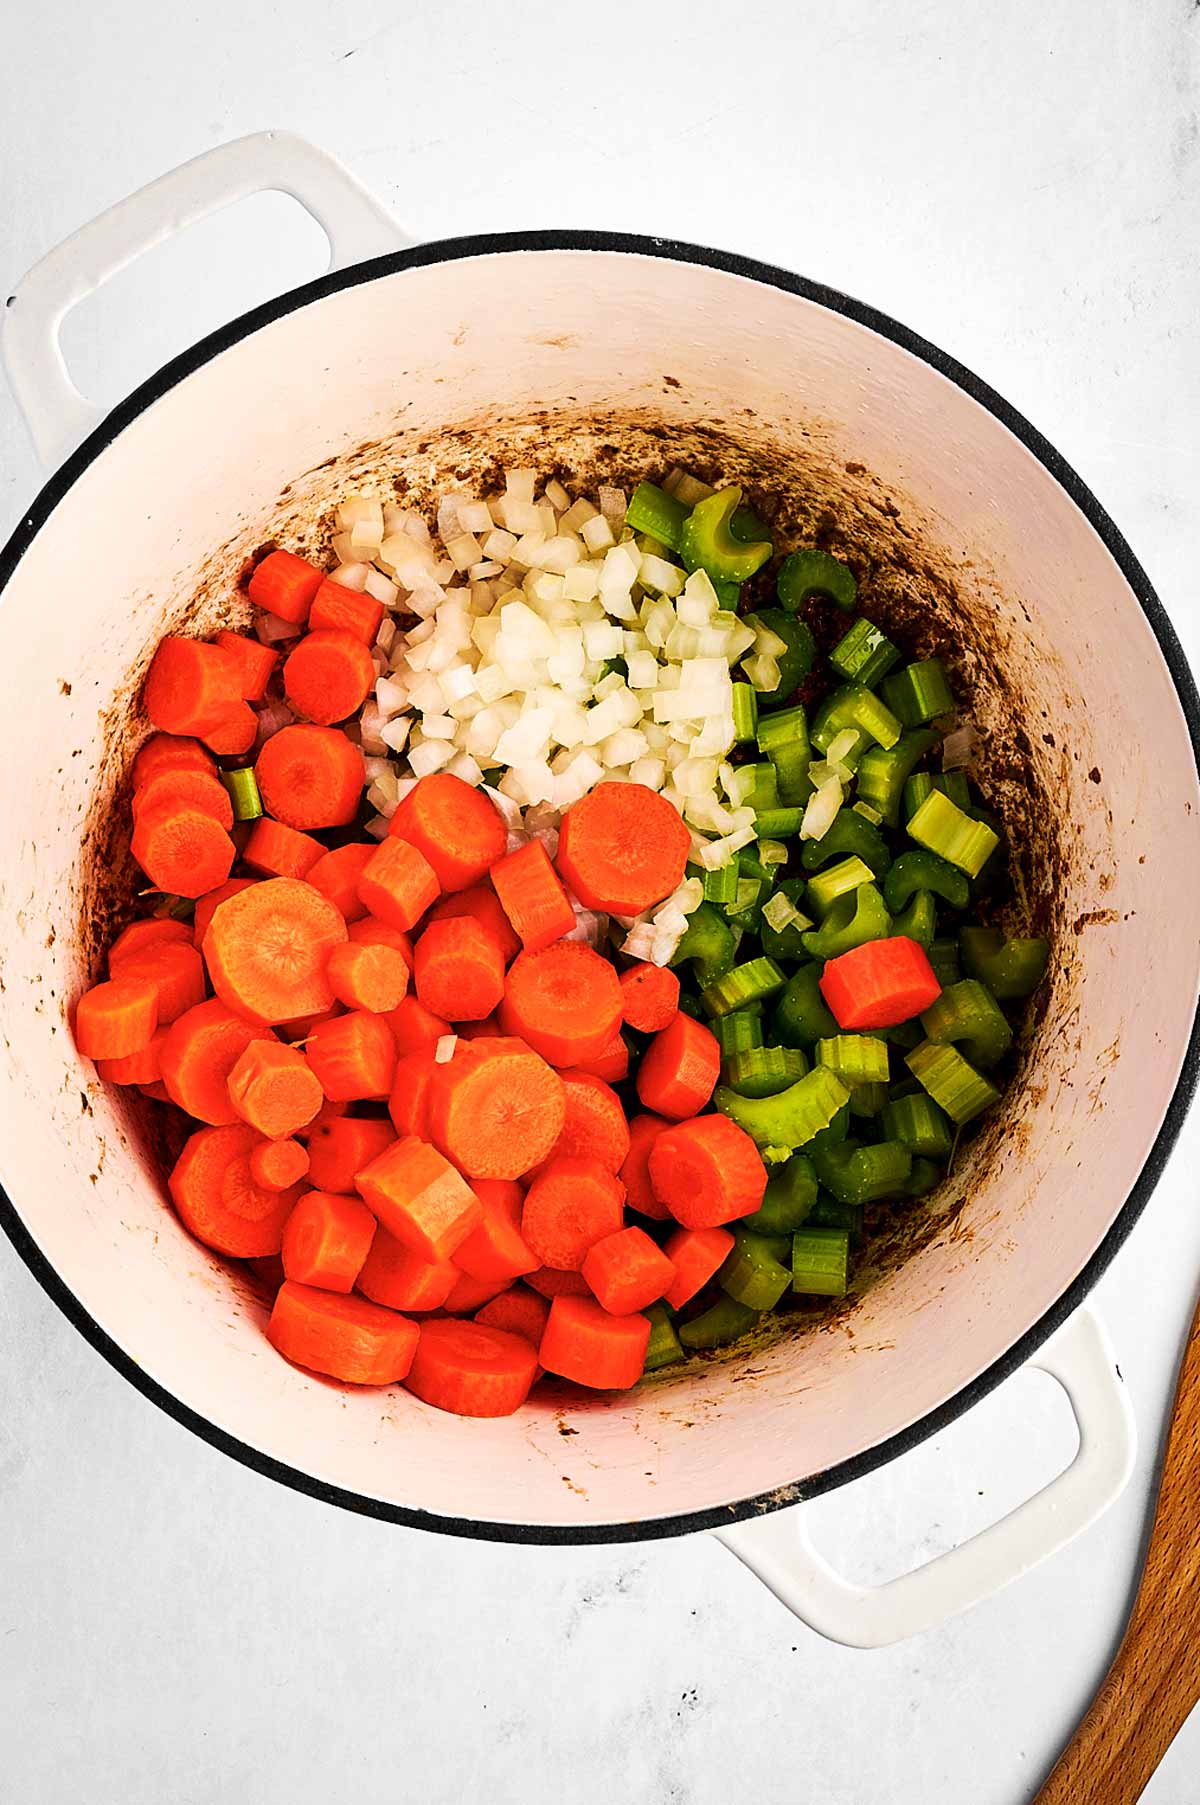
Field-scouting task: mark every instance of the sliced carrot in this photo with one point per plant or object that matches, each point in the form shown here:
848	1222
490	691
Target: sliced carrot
254	660
267	948
353	1056
157	1092
336	876
695	1253
345	611
175	969
397	884
297	1032
170	752
469	1293
626	1271
520	1311
268	1270
622	848
370	932
329	1112
486	1029
414	1028
310	777
649	997
328	676
880	984
274	1088
568	1207
195	787
182	849
218	1200
565	1001
285	584
117	1018
504	1193
393	1274
611	1064
459	830
339	1149
548	1281
277	1165
585	1342
275	850
232	733
326	1239
346	1338
471	1369
595	1127
494	1249
496	1108
635	1170
679	1069
142	1067
211	900
420	1198
140	935
458	969
368	977
532	896
408	1103
190	686
199	1053
481	901
707	1171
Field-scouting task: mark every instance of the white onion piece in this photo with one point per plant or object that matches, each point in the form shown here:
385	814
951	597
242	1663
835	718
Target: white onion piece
443	1051
821	811
960	747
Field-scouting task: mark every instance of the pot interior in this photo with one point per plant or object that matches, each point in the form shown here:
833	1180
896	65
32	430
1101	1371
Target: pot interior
610	364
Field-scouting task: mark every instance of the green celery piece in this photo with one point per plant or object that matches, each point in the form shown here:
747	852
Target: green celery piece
830	1212
783	727
764	1071
791	774
943	956
790	1194
724	1322
745	712
708	543
883	772
966	1013
858	707
850	835
785	943
821	1261
707	944
243	793
720	886
919	692
738	1032
802	1016
810	572
864	655
835	881
923	1178
651	510
792	1117
918	922
853	920
663	1347
866	1100
858	1174
753	1272
951	1081
918	1123
750	983
856	1058
942	827
796	661
1009	968
951	783
914	871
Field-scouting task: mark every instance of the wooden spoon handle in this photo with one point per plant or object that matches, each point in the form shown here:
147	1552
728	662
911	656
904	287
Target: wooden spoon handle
1128	1729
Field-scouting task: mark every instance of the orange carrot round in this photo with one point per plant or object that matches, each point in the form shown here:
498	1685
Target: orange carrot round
328	1112
611	1063
170	752
140	935
415	1029
459	830
283	583
419	1198
649	997
370	932
519	1311
218	1200
346	1338
328	676
191	685
408	1102
336	608
494	1249
182	849
367	977
326	1239
496	1108
143	1067
470	1293
635	1169
198	1054
393	1274
622	848
255	662
211	900
679	1070
695	1253
626	1271
310	777
585	1342
707	1172
458	969
158	1092
194	787
471	1369
267	948
569	1206
232	733
595	1126
532	896
175	969
565	1002
277	1165
274	1089
336	876
117	1018
353	1056
339	1149
549	1281
397	884
276	850
481	901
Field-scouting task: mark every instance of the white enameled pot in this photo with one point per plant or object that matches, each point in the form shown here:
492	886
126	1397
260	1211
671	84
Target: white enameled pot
592	348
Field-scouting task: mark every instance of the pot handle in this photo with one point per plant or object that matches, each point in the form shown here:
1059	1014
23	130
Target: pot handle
58	416
779	1549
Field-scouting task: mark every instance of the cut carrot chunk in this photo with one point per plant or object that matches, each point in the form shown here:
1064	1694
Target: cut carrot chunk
218	1200
232	733
274	1089
880	984
649	997
458	969
116	1018
276	850
408	1104
420	1198
328	676
175	969
548	1281
170	752
707	1171
310	777
277	1165
695	1253
339	1149
568	1207
267	948
194	787
505	1193
622	848
328	1112
679	1070
336	876
142	1067
370	932
533	897
471	1369
255	662
338	609
397	884
487	1029
519	1311
459	830
469	1293
326	1239
635	1170
346	1338
182	849
157	1092
298	1031
140	935
494	1249
353	1056
368	977
285	584
211	900
627	1271
595	1126
585	1342
198	1054
565	1001
393	1274
611	1064
496	1108
191	686
481	901
414	1028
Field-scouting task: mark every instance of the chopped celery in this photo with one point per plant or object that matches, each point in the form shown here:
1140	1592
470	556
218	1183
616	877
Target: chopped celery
867	1100
753	1272
748	983
811	572
651	510
243	793
720	886
707	944
918	1123
951	1081
864	654
764	1071
914	871
706	541
724	1322
943	956
1009	968
855	918
856	1058
783	727
950	783
791	764
858	707
790	1195
745	712
799	654
924	1176
941	826
831	1212
759	786
838	880
790	1118
883	772
919	921
967	1013
821	1261
663	1347
919	692
850	833
858	1174
738	1032
801	1015
786	942
777	823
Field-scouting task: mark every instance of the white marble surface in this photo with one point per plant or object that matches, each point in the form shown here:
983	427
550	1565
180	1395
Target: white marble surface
1017	182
